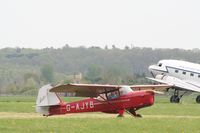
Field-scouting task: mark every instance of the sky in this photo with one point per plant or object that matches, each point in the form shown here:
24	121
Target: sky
140	23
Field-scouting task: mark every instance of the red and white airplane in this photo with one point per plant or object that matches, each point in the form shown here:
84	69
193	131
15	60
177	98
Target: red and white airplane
101	98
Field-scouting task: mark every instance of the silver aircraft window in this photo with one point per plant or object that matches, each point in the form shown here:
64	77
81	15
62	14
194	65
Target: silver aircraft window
199	76
176	71
191	74
160	64
184	72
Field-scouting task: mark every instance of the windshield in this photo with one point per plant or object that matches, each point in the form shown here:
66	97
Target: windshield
110	96
114	94
124	90
101	97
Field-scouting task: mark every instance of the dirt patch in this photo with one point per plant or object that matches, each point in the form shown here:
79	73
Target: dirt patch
15	115
171	116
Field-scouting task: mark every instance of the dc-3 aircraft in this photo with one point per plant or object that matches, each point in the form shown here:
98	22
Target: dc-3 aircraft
101	98
183	76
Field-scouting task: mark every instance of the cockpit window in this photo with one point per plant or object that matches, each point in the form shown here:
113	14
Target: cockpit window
108	96
160	64
124	90
101	97
113	95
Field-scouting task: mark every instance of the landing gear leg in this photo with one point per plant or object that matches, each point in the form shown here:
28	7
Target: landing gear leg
198	99
133	113
176	97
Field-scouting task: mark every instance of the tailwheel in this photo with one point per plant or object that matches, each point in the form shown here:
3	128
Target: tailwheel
198	99
174	99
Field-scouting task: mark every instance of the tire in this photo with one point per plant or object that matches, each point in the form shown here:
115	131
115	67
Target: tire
198	99
174	99
138	115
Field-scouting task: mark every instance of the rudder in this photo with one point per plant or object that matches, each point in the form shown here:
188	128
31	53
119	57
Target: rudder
46	99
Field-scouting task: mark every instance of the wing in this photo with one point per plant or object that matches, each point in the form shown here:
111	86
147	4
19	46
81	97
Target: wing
151	87
175	82
85	90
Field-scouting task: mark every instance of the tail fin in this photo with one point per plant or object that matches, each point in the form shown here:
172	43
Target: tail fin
46	99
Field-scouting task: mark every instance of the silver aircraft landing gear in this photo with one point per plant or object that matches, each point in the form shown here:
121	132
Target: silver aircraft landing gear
177	97
174	99
198	99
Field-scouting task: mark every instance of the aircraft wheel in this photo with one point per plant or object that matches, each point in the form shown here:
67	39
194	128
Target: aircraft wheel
138	116
174	99
119	116
198	99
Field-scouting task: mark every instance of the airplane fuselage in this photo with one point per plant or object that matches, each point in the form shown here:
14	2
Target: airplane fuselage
182	75
133	100
179	69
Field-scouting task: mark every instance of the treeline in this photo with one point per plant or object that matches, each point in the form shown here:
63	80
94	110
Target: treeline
23	71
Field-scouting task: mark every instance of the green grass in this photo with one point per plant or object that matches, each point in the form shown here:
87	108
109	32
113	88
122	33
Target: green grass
23	107
22	104
17	99
168	124
162	106
92	125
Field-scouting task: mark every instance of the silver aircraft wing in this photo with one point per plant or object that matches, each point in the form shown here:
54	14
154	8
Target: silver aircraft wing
176	82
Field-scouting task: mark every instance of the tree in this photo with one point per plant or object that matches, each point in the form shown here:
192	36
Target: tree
126	47
47	73
11	89
30	87
31	75
106	47
94	74
113	47
114	74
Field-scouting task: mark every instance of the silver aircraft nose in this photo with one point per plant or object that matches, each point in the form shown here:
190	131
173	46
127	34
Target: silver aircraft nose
151	67
155	70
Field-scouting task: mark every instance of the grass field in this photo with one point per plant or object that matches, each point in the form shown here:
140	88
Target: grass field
17	115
